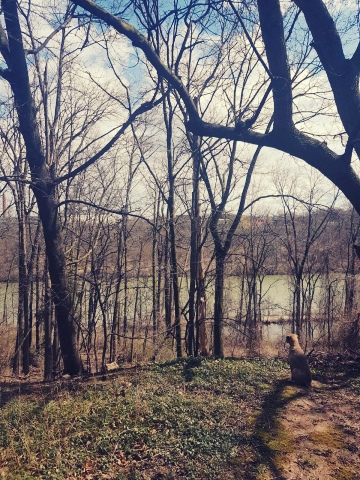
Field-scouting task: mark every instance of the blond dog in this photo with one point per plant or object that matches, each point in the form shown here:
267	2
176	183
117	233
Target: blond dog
299	364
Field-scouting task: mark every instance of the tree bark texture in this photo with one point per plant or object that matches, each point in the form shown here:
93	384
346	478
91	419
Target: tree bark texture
43	187
219	305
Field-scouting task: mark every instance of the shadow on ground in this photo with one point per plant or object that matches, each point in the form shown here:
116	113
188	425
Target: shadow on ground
44	390
269	440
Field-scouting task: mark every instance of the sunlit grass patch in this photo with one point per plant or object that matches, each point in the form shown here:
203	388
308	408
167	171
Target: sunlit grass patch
185	419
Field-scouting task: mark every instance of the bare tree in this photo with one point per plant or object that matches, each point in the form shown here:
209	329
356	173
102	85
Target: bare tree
43	153
256	244
304	225
342	75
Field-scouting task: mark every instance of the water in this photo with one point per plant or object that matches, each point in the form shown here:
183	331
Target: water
276	297
274	332
275	305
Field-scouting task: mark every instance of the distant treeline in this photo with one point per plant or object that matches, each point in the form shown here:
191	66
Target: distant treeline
267	241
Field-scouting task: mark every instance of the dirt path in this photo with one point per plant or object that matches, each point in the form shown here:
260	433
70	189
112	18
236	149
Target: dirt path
315	434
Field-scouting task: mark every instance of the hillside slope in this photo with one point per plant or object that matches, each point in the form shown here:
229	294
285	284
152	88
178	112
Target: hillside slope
190	419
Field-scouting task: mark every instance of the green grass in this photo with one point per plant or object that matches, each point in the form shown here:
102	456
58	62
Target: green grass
191	419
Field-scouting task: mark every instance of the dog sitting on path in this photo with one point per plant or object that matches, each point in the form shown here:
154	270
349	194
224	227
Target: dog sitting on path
299	364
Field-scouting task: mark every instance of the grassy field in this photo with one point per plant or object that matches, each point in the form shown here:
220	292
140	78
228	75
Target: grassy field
190	419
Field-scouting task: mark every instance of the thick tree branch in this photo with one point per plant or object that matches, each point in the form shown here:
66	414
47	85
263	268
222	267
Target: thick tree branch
20	84
297	144
287	139
273	36
343	74
355	60
123	212
327	40
53	33
241	207
145	107
15	178
138	40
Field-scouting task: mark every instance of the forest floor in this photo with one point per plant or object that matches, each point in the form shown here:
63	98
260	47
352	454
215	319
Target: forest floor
189	419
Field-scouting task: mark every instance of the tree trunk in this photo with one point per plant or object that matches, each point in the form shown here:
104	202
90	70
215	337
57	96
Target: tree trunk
168	119
167	284
48	364
43	187
218	307
196	301
201	313
194	259
175	284
154	266
59	284
114	339
21	357
38	316
24	293
297	305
